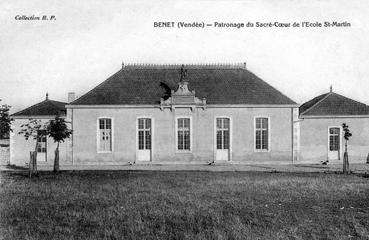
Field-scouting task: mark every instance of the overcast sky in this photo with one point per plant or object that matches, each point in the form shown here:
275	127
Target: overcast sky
89	40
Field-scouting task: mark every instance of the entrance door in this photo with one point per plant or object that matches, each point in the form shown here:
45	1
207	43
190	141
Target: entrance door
41	146
144	139
334	144
222	139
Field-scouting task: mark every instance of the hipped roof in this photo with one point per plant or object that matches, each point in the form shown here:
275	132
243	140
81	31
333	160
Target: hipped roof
218	84
333	104
44	108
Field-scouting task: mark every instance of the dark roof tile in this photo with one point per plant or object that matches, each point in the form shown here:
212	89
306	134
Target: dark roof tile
218	85
311	103
44	108
333	104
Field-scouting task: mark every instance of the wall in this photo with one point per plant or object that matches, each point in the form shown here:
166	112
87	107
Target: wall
164	147
20	148
314	139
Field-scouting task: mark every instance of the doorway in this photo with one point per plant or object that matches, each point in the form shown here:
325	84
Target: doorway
334	143
222	133
144	139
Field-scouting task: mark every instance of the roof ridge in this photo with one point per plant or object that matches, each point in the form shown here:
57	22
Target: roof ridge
188	66
315	104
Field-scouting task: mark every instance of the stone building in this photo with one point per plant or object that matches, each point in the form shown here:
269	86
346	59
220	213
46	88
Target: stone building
182	114
320	129
20	147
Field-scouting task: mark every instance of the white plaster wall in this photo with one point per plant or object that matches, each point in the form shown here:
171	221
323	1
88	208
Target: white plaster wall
314	139
20	148
164	147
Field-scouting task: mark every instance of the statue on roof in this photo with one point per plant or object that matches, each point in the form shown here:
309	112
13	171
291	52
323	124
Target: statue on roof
183	73
183	96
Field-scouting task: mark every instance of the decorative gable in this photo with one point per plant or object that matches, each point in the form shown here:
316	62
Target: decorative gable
183	97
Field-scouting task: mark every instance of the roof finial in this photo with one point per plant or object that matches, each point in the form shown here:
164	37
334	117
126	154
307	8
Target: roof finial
122	64
330	88
47	96
183	73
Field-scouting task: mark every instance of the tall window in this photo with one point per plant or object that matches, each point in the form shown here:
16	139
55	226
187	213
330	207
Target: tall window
144	133
183	134
41	141
105	134
334	139
222	133
261	134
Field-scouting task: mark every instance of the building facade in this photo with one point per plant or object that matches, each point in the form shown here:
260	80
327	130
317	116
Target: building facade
320	129
189	114
20	148
194	114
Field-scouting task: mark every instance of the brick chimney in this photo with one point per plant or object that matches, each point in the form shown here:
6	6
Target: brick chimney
71	97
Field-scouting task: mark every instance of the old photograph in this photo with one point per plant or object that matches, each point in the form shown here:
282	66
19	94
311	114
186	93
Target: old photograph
184	119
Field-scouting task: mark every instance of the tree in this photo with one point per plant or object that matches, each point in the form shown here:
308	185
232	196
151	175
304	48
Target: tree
347	135
59	131
5	121
33	129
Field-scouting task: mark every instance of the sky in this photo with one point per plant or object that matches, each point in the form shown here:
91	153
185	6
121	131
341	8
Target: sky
90	39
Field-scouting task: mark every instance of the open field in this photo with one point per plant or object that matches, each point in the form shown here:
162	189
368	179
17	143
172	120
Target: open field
184	205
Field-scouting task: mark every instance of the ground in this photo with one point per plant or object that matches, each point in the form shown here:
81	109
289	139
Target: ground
184	205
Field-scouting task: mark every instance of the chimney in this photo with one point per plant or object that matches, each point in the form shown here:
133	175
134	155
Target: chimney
71	97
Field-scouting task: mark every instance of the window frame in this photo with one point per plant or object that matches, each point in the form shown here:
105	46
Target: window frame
144	130
269	130
230	135
176	134
341	142
41	136
152	135
98	135
338	135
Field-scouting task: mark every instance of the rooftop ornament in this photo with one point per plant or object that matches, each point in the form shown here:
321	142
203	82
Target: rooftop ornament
183	97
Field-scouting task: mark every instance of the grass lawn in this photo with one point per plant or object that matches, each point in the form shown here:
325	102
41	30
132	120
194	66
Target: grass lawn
184	205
